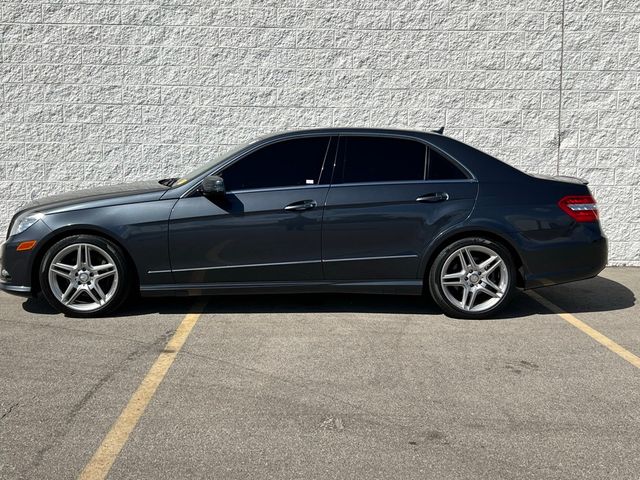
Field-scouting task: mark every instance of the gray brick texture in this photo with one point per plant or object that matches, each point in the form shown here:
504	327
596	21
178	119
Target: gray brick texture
98	93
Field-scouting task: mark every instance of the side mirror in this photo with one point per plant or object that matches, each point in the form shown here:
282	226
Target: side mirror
213	185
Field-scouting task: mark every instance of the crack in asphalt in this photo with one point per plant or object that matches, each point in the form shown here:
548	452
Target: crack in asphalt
67	421
11	407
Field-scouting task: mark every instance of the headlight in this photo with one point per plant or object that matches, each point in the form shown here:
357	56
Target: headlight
25	221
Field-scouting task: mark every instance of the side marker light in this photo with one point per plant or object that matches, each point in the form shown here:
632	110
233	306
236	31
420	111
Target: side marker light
28	245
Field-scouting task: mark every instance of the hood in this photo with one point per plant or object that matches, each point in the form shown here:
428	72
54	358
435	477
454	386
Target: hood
99	196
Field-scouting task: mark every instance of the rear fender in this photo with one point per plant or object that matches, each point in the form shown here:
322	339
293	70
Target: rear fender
489	230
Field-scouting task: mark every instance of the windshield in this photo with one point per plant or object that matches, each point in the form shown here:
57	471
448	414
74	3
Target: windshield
176	182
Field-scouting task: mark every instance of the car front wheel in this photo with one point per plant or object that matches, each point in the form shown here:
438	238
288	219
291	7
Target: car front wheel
472	278
84	276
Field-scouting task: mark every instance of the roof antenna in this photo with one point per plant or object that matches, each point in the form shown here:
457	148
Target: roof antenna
440	130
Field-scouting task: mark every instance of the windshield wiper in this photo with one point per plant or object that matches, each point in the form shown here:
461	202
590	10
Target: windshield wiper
168	182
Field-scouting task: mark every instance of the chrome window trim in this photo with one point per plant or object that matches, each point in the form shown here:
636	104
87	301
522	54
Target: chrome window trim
276	189
403	182
336	133
354	184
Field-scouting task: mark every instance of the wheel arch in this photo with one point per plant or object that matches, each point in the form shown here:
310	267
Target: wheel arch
58	235
436	247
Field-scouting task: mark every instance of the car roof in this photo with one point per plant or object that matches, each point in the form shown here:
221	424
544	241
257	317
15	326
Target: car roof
356	130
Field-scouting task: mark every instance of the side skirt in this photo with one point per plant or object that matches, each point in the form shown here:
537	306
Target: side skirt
391	287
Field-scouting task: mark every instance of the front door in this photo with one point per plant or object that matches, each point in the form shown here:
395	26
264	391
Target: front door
267	228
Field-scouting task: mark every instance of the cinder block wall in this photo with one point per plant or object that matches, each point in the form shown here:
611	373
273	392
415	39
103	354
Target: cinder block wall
113	92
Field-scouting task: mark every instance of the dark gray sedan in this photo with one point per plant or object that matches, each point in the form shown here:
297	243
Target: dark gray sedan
332	210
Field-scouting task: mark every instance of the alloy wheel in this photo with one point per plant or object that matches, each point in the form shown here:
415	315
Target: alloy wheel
474	278
83	277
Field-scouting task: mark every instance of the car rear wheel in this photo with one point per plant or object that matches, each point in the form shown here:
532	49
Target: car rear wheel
472	278
84	276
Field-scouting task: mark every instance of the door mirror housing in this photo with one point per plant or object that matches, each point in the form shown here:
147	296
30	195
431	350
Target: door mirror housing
213	185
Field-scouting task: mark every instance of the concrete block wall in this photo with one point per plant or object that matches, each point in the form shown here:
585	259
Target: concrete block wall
99	93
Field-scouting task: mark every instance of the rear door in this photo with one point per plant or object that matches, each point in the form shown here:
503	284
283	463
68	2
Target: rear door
390	196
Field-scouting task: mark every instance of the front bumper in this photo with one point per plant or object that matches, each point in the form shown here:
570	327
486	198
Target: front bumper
6	279
19	290
16	267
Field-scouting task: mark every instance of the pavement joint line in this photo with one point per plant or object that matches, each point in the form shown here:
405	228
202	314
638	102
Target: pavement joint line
583	327
107	453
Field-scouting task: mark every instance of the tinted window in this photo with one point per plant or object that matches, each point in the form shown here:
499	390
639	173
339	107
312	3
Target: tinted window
441	168
282	164
381	159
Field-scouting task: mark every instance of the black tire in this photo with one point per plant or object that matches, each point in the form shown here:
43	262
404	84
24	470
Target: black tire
120	292
454	310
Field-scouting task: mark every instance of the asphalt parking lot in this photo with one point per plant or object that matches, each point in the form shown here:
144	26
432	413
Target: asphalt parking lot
318	386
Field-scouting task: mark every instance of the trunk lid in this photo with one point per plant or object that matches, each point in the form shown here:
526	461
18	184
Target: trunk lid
562	178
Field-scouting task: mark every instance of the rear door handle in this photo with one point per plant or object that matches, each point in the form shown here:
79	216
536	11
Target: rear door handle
301	205
433	197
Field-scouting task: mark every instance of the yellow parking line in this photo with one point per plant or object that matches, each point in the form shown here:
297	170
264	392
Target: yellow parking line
102	460
592	332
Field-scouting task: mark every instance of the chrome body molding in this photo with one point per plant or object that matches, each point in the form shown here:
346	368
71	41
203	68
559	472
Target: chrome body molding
275	264
356	259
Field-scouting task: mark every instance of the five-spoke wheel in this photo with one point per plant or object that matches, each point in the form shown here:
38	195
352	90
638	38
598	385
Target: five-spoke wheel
84	275
472	278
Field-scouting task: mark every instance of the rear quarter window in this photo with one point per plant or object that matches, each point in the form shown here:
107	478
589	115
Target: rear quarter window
441	168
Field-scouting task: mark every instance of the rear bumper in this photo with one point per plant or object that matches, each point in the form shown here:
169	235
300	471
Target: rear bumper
580	256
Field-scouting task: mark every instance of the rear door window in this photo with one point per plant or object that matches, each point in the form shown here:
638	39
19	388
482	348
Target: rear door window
381	159
289	163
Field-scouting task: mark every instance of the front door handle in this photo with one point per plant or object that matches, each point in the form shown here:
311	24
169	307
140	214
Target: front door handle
433	197
301	205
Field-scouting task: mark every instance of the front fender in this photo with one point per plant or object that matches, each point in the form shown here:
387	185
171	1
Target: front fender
140	229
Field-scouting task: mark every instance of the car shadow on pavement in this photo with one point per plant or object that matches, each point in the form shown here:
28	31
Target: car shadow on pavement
594	295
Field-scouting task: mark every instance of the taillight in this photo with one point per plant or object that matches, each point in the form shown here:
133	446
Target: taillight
582	208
